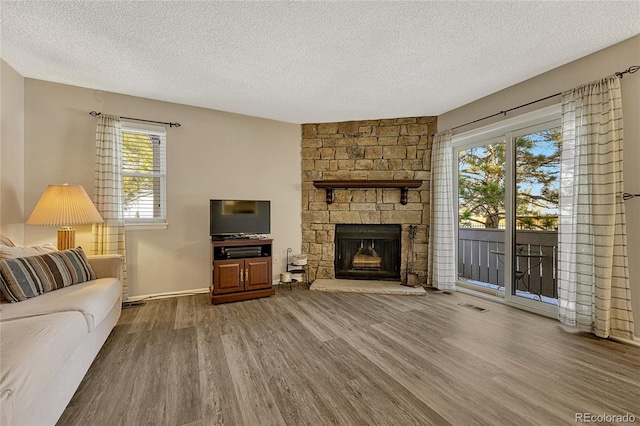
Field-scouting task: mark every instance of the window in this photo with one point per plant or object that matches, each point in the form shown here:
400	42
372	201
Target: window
144	173
507	204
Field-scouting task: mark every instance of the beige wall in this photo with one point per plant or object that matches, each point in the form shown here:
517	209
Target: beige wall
213	155
11	153
600	64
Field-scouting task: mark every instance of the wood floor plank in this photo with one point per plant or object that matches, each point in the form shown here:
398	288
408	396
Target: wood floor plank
155	315
392	361
441	354
389	401
557	399
330	390
311	320
293	393
219	403
161	388
462	369
255	398
185	312
313	358
183	406
105	391
422	377
395	303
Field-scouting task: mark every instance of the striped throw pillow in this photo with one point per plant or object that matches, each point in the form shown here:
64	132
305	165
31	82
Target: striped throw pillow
27	277
78	265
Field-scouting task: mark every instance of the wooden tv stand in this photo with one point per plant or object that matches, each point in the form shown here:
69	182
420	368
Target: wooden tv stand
239	272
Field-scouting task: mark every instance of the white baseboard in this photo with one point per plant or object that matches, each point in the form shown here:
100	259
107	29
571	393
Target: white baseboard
167	294
635	342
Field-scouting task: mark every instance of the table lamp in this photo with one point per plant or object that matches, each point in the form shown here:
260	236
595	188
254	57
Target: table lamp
65	205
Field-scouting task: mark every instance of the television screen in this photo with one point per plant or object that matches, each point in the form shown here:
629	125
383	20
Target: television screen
239	217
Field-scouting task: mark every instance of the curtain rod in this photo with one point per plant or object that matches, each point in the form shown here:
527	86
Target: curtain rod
176	124
632	69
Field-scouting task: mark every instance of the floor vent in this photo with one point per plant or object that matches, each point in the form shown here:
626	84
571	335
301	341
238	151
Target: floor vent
470	306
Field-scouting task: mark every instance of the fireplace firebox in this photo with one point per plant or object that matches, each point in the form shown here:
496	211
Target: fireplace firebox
368	252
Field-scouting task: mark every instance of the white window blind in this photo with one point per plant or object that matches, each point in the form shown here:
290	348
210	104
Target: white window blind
144	173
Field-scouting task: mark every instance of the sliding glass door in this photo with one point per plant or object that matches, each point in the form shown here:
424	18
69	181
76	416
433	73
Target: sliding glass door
535	218
481	215
507	186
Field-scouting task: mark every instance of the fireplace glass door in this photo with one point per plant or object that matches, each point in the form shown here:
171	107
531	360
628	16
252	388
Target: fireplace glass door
368	252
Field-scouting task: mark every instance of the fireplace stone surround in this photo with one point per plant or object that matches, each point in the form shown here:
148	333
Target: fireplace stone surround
385	149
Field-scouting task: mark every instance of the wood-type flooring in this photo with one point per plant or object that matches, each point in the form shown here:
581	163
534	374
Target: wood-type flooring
314	358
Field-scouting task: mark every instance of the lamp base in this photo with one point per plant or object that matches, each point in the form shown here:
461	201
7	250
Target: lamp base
66	238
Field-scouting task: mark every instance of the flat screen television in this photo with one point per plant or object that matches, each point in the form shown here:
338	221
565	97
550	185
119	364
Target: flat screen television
233	217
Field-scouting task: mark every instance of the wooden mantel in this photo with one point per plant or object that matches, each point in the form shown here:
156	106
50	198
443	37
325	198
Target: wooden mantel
403	185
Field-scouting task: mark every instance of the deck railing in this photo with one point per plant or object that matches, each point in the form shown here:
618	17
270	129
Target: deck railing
481	258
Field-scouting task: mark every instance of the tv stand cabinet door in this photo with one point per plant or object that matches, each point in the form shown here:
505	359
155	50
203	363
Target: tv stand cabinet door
226	276
257	273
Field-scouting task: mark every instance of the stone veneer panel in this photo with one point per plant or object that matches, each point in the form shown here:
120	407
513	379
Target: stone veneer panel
398	148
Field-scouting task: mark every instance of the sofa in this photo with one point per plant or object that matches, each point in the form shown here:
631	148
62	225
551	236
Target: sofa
48	342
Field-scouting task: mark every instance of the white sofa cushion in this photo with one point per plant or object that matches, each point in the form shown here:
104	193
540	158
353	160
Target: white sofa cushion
32	350
94	299
6	241
12	252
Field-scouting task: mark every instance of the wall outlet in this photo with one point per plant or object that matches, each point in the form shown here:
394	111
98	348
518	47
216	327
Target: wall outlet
276	259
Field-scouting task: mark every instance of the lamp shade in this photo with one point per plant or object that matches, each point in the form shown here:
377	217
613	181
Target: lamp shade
64	205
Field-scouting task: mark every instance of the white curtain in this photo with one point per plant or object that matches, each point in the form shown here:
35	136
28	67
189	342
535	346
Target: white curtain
109	237
593	277
441	230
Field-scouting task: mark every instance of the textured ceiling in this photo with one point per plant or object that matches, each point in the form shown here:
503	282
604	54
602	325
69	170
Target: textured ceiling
306	62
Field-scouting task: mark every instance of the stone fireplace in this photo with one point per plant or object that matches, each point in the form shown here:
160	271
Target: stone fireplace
370	150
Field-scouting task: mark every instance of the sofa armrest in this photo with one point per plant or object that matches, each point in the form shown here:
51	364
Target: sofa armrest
107	265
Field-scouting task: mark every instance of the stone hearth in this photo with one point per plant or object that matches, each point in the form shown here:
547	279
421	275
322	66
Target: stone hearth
386	149
367	287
